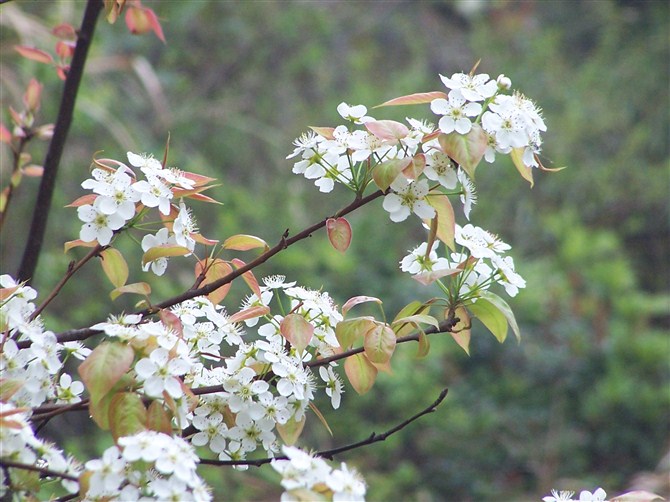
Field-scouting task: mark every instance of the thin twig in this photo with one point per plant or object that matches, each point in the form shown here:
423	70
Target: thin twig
329	454
42	470
48	182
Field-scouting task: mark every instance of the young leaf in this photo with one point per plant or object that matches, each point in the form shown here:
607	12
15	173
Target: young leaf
214	269
320	416
137	288
339	233
291	430
250	313
427	278
446	221
491	316
141	20
78	243
506	310
360	372
114	266
467	149
297	331
424	345
325	132
525	171
158	419
419	98
379	344
386	172
461	331
108	362
164	251
34	54
248	277
242	242
388	130
417	319
127	414
347	332
351	302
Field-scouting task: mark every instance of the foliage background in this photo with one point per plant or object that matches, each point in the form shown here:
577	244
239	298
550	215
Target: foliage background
584	400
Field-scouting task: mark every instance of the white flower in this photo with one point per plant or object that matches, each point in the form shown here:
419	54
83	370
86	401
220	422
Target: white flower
212	431
440	168
506	275
355	114
408	197
149	241
98	225
482	244
334	386
69	391
184	225
456	112
159	373
472	88
598	495
556	496
107	473
118	196
417	261
468	195
154	193
346	484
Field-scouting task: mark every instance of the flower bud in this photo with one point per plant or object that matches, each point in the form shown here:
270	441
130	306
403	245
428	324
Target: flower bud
504	83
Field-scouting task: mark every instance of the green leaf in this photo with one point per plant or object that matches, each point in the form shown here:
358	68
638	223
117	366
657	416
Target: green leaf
347	332
114	266
379	344
339	233
158	419
127	414
461	331
108	362
137	288
360	372
242	242
491	316
386	172
424	345
164	251
297	330
417	319
506	310
467	149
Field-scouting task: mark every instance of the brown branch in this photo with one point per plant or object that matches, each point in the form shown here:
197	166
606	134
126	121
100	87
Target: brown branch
329	454
42	470
48	183
284	242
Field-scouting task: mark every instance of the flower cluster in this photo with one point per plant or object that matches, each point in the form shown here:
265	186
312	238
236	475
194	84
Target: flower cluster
36	370
479	264
598	495
146	466
306	477
426	157
19	444
119	199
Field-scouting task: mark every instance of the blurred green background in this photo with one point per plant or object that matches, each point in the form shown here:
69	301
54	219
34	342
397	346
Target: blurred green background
584	400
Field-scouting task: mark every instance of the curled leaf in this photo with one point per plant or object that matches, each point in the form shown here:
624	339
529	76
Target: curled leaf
418	98
339	233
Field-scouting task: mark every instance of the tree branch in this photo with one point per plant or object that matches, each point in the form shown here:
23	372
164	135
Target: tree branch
42	470
47	185
329	454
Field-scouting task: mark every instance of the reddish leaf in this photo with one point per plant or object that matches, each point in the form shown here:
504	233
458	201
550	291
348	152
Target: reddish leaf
141	20
356	300
137	288
64	31
386	172
250	313
467	149
418	98
33	171
248	277
427	278
172	321
34	54
339	233
215	269
416	167
461	331
33	95
83	200
360	372
65	49
297	331
108	362
158	419
388	130
325	132
446	221
5	134
78	243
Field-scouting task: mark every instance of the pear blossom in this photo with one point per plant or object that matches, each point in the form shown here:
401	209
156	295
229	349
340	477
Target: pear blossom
184	225
69	391
162	238
598	495
355	114
479	242
468	195
334	386
159	373
117	195
440	168
506	275
472	87
455	111
419	260
154	193
97	224
406	198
